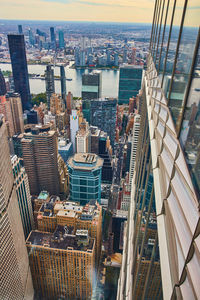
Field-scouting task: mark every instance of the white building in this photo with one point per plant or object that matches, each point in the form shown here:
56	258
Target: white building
136	129
73	127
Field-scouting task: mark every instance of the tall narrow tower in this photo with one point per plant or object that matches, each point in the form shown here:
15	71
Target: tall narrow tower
19	68
63	84
15	278
49	81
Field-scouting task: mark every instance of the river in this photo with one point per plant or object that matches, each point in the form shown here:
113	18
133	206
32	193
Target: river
110	80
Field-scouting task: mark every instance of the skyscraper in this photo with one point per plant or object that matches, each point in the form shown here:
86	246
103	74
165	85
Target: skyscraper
85	177
2	84
20	29
129	82
40	153
19	68
134	143
53	37
166	177
11	107
16	282
23	195
73	127
103	115
68	263
91	85
61	39
49	81
63	85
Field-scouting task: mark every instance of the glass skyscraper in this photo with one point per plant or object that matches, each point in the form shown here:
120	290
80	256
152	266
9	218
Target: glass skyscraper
19	68
129	82
162	233
85	171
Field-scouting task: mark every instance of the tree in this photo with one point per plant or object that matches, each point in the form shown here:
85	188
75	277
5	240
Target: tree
36	99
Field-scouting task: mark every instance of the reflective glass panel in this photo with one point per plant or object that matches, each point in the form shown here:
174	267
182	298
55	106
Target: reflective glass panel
190	129
184	62
172	46
163	50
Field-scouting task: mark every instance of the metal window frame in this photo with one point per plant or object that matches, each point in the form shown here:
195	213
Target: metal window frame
162	3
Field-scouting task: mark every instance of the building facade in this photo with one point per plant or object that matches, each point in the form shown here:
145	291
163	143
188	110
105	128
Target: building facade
19	68
91	85
23	195
103	115
85	177
16	282
130	77
49	81
169	135
68	263
40	154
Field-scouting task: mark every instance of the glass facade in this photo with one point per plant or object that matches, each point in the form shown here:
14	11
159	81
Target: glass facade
177	62
85	185
129	83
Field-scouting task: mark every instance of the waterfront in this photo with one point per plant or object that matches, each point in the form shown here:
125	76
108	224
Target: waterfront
110	80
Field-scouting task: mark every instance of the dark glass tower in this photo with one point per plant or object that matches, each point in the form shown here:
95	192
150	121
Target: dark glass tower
20	30
63	84
129	82
19	68
52	34
49	80
2	84
61	39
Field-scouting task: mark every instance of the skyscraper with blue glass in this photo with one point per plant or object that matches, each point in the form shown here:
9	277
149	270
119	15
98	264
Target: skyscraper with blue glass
85	177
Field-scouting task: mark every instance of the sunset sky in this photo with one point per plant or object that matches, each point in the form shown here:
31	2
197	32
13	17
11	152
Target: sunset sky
135	11
78	10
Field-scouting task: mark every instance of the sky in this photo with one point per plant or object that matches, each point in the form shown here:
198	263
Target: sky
135	11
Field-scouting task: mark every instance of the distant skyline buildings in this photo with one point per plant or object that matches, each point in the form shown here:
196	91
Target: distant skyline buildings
19	68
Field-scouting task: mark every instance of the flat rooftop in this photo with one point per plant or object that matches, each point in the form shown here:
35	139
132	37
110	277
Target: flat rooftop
85	161
64	238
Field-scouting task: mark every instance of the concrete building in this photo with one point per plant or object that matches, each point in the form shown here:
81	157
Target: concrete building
39	147
68	260
85	171
65	149
23	195
16	282
134	144
73	128
11	107
19	68
83	138
130	78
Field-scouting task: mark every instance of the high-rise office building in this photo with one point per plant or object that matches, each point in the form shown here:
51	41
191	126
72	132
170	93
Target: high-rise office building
116	59
16	282
85	177
61	39
68	263
73	127
89	217
19	68
134	143
39	149
23	195
83	138
20	30
52	35
69	102
49	81
31	37
56	104
129	82
2	84
91	85
63	85
11	107
167	163
32	117
103	115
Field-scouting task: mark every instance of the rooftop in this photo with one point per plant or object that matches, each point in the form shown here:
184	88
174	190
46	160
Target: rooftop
64	238
43	195
85	161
